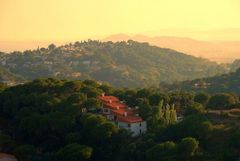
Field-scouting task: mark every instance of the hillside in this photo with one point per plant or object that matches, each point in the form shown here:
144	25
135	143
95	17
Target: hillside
123	64
221	51
61	120
9	78
224	83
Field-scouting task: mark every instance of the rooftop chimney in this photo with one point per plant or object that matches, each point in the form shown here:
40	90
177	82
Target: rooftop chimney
103	94
125	114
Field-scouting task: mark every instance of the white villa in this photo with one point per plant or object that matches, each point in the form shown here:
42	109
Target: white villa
122	115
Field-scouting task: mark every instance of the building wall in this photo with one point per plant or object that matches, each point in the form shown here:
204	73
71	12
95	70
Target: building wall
136	128
106	111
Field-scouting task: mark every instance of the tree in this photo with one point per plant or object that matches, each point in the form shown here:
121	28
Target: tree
25	152
72	86
202	98
143	93
106	130
106	88
222	101
51	46
145	109
158	111
233	140
92	104
194	108
77	99
196	126
167	113
162	152
187	148
74	152
173	115
6	143
156	98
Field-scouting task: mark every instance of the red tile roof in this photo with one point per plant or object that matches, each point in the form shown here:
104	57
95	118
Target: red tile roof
122	112
108	98
115	105
119	109
129	119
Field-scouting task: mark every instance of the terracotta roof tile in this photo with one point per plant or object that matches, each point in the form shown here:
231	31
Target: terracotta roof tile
129	119
122	112
115	105
108	98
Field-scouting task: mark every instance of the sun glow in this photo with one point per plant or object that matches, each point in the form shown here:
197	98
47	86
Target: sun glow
65	20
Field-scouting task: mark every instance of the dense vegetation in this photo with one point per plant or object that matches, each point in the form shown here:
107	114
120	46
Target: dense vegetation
225	83
44	120
235	65
9	78
123	64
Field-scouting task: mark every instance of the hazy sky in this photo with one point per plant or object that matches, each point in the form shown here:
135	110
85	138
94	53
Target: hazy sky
51	20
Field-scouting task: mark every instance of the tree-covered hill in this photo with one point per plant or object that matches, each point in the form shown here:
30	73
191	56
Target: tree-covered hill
235	65
9	78
123	64
59	120
224	83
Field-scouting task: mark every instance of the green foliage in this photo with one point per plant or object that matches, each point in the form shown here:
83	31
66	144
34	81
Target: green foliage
74	152
173	115
170	151
222	101
155	99
202	98
233	140
44	120
196	126
144	108
226	83
6	142
194	108
25	152
187	148
7	77
162	152
92	104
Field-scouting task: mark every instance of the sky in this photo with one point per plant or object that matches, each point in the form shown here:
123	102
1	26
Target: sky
67	20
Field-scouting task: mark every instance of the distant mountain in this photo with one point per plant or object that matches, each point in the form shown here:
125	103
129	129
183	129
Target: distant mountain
224	83
123	64
222	51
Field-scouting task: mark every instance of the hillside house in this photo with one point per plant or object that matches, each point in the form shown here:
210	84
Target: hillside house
125	117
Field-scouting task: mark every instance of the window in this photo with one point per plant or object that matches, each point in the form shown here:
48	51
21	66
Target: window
140	131
140	124
129	125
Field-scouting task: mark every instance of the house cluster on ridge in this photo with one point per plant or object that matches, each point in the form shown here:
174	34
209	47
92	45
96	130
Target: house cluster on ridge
125	117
